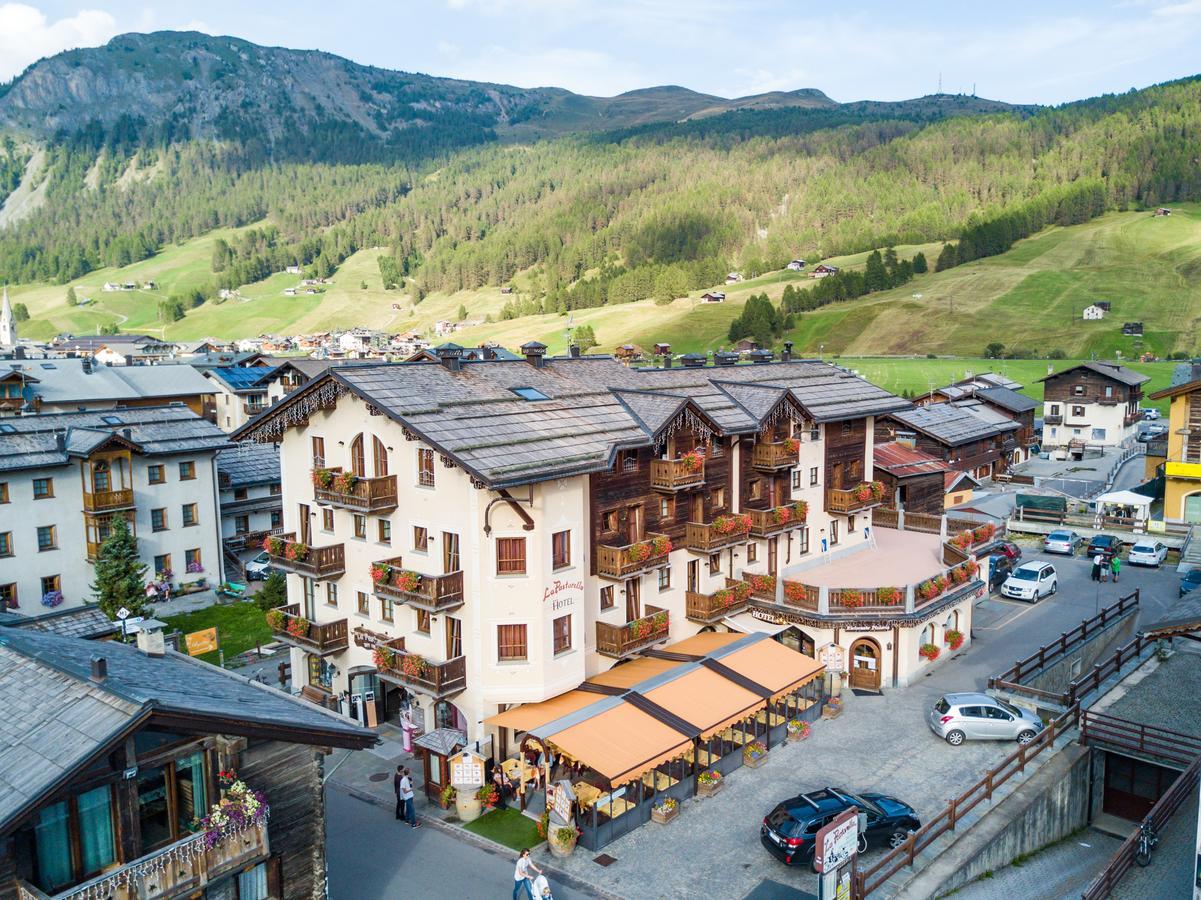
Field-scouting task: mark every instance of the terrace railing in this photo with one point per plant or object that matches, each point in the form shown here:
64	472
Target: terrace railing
671	475
617	641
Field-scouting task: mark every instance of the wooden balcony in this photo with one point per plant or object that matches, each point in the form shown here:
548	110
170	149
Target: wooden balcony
182	869
769	456
1052	420
107	501
432	593
768	522
1130	418
253	409
439	680
367	495
849	500
618	641
317	562
618	562
321	639
671	475
710	608
709	537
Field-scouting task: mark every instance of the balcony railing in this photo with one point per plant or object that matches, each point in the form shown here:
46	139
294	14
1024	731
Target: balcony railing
181	869
766	522
1053	420
436	679
708	608
320	638
315	562
708	537
621	561
1130	418
432	593
366	495
253	409
849	500
618	641
107	501
772	455
682	473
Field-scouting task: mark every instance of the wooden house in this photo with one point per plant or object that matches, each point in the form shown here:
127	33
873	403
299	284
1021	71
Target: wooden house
913	479
1091	404
966	434
823	270
713	297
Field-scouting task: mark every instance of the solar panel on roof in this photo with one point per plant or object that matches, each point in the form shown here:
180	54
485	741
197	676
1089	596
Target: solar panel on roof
529	393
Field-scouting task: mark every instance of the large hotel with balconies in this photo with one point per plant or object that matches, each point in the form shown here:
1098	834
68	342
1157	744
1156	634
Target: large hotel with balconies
464	536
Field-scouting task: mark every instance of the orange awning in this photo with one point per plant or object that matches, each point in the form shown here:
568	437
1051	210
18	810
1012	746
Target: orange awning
531	715
704	643
622	743
707	700
635	671
778	668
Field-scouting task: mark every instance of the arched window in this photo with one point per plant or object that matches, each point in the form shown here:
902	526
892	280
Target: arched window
358	462
380	454
927	634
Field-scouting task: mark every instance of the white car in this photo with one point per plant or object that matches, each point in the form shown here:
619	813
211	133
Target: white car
1151	414
1147	553
1031	581
259	568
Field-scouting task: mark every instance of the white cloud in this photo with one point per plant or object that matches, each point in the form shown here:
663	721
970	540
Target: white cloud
26	35
1188	8
582	71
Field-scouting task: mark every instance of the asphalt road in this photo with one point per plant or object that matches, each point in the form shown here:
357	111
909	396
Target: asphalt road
371	856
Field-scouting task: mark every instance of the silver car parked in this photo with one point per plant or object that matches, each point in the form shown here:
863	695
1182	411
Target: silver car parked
979	717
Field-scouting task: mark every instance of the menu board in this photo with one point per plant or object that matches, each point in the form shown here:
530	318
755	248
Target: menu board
559	797
833	657
467	768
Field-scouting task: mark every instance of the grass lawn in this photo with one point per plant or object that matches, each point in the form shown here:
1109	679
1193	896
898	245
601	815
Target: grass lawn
240	627
508	827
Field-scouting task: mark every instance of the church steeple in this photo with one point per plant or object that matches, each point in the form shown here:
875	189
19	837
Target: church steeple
8	324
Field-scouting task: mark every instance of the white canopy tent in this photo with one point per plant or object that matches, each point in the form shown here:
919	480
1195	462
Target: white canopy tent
1124	504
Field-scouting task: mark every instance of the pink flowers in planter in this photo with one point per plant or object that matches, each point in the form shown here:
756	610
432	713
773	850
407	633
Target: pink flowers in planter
850	598
298	626
762	584
889	596
954	639
793	445
929	652
735	593
739	524
693	461
644	550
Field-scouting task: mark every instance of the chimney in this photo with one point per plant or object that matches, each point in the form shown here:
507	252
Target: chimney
85	364
535	353
574	351
99	669
450	355
761	356
725	358
692	360
19	353
60	440
150	637
667	360
907	439
786	353
127	433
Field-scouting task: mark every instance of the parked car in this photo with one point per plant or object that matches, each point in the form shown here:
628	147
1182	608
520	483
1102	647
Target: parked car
978	717
1009	550
1105	545
999	568
1150	413
1146	552
790	830
259	568
1190	581
1064	542
1031	581
1154	429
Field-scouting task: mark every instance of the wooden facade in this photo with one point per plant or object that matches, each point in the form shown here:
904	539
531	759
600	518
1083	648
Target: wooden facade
921	492
982	458
1082	386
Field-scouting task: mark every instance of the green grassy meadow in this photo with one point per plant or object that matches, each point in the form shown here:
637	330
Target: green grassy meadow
240	627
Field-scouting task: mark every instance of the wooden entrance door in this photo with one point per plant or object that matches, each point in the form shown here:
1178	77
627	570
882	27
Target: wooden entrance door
865	665
1132	786
305	531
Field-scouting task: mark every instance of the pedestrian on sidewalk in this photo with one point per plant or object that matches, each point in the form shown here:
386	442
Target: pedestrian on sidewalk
1115	566
396	782
521	876
406	794
1097	560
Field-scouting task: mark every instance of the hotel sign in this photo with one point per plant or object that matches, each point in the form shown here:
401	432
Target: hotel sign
368	639
562	594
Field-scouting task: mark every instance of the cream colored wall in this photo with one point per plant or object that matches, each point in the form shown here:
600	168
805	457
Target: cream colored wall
1110	418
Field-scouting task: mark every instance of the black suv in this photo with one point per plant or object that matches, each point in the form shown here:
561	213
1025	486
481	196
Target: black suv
790	830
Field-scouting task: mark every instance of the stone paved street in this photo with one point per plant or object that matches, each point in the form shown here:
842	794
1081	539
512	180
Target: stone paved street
1059	871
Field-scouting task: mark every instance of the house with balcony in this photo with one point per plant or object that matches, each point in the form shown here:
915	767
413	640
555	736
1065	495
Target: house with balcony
1093	404
999	393
464	535
240	393
251	499
65	478
1181	450
121	753
966	434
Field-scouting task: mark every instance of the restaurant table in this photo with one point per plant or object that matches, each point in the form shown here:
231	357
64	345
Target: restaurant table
704	757
774	718
658	780
585	793
613	807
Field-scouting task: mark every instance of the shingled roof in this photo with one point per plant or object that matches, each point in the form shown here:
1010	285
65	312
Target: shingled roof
1007	399
580	411
1118	373
57	718
30	442
956	423
246	464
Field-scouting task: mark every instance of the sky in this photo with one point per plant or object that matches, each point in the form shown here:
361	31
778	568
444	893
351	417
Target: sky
1017	51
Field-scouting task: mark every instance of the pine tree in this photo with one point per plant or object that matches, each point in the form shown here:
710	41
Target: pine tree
274	592
72	300
462	311
120	575
920	266
875	276
947	259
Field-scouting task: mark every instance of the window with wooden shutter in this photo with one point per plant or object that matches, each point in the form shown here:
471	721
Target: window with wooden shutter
380	457
510	556
510	642
560	543
358	460
318	452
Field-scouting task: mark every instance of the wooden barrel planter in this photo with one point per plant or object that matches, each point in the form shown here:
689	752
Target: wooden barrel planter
562	840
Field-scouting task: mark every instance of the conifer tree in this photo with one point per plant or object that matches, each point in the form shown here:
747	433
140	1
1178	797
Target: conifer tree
120	574
920	266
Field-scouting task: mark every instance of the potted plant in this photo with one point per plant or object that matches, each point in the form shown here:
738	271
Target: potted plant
802	510
877	489
863	493
562	839
296	551
665	810
792	445
833	708
929	652
447	796
692	461
323	478
889	596
52	598
794	591
851	598
797	730
344	482
383	657
754	755
781	515
274	545
276	620
708	783
298	627
380	573
413	665
407	581
762	584
954	639
238	810
487	796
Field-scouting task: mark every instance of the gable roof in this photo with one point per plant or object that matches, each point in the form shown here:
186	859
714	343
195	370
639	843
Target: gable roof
58	719
951	479
594	407
28	442
65	381
956	423
1113	371
1007	399
247	463
902	461
1186	378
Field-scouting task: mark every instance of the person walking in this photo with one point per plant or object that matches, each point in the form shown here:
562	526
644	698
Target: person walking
521	875
1115	566
397	780
406	793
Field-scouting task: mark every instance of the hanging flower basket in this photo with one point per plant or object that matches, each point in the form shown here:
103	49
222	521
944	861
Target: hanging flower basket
754	755
298	627
954	639
798	730
929	651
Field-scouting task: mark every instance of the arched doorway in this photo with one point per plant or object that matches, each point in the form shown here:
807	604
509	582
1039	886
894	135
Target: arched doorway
865	665
797	640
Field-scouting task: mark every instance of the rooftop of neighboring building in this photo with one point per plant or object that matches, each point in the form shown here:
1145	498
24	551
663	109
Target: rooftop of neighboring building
513	422
59	713
1113	371
54	439
247	464
903	461
956	423
241	379
77	621
1007	399
1186	378
66	380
